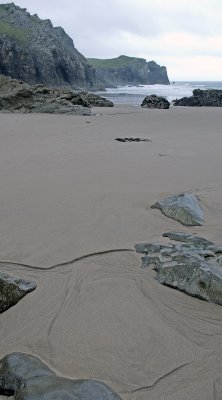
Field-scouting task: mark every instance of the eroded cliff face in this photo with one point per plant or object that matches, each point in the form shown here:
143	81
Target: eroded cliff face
34	51
125	70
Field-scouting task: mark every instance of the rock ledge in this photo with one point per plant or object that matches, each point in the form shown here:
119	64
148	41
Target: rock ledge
18	96
207	98
194	267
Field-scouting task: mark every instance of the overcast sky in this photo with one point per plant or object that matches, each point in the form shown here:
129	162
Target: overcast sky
183	35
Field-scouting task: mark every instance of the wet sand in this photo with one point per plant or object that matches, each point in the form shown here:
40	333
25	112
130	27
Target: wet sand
73	203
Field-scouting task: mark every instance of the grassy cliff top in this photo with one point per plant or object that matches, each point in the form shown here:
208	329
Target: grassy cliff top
119	62
12	31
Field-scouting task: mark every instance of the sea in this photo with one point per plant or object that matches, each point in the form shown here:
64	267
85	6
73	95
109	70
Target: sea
134	95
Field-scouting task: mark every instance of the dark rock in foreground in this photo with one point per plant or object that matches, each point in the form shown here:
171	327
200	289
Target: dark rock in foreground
184	207
12	290
154	101
132	139
194	267
33	380
17	96
207	98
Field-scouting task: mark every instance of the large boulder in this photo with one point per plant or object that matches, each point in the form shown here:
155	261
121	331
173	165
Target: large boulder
18	96
12	290
207	98
184	208
194	267
33	380
154	101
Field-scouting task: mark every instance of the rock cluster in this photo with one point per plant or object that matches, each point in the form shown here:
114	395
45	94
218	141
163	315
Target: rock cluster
184	208
94	100
194	267
34	51
154	101
17	96
207	98
12	290
34	380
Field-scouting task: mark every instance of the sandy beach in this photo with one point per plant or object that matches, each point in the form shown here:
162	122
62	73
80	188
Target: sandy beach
73	203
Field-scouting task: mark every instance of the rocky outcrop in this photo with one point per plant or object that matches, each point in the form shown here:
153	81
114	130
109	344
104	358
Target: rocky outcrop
207	98
34	51
125	70
12	290
154	101
184	207
36	381
194	267
94	100
17	96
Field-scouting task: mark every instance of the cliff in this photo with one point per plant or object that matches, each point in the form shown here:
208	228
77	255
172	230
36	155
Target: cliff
34	51
125	70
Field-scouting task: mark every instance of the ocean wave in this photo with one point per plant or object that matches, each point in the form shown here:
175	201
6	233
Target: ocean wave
135	94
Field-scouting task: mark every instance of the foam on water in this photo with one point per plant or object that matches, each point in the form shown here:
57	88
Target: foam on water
135	94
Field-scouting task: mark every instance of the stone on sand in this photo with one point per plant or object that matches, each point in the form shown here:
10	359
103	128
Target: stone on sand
12	290
154	101
184	208
37	381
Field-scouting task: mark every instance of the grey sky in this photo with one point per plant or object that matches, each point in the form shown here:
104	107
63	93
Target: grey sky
184	35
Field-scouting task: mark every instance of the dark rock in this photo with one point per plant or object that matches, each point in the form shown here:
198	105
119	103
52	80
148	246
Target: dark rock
207	98
95	100
194	267
184	208
154	101
12	290
132	139
9	385
17	96
125	70
37	381
34	51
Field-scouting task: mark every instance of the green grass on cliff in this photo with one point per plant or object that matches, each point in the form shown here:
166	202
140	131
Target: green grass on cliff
119	62
3	7
12	32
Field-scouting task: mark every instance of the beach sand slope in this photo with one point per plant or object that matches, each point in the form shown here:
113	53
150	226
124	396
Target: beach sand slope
73	203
